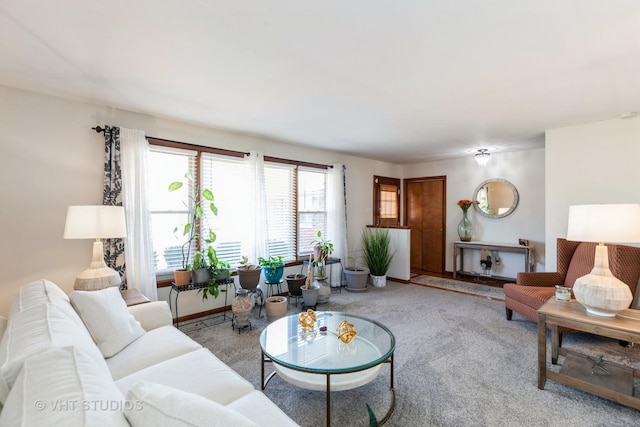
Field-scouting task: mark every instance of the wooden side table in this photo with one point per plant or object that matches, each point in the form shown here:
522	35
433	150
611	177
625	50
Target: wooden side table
614	382
133	297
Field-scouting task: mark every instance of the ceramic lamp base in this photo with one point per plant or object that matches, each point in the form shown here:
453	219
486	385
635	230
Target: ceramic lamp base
600	292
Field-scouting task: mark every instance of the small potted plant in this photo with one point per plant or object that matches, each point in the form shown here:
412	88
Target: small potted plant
218	269
273	268
196	201
356	276
199	268
248	274
377	254
322	248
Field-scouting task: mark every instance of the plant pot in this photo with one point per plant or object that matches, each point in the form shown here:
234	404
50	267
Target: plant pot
294	282
276	307
200	275
324	290
273	275
182	277
310	297
379	281
249	279
356	278
241	308
221	275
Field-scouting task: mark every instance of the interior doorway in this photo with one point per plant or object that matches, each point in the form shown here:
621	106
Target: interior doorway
424	201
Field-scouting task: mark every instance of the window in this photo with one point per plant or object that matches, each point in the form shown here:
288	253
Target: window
312	208
167	209
295	195
386	201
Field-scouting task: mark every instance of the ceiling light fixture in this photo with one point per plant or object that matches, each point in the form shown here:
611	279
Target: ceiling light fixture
482	156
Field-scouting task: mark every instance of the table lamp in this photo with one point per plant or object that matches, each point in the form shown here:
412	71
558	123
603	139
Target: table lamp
600	292
96	222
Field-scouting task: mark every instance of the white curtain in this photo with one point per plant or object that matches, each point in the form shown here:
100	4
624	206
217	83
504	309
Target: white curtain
337	212
256	165
139	254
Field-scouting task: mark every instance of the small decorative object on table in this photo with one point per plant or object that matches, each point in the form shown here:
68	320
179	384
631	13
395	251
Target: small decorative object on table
465	228
563	294
307	319
346	332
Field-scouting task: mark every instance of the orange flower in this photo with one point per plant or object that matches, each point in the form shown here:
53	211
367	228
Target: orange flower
465	204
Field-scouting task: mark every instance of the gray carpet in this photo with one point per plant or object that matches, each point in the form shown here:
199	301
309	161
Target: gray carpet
458	362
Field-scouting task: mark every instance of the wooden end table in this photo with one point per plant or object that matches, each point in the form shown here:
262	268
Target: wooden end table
133	297
614	382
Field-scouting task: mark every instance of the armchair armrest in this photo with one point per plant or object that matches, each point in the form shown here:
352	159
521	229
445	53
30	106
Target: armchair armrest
152	315
546	279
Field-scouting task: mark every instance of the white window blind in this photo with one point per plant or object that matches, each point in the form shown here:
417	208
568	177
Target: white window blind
167	209
312	208
229	180
280	187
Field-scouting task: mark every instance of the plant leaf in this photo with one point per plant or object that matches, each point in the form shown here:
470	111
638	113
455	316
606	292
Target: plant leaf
372	418
187	228
213	208
175	186
207	194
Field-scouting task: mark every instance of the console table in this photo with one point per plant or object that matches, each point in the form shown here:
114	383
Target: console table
602	378
459	247
196	286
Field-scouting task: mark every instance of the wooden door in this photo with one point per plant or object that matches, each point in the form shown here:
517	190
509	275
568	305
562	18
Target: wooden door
425	216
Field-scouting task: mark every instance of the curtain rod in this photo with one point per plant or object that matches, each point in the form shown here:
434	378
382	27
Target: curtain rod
98	129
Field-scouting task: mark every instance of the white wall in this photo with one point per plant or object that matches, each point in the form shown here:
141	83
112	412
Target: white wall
50	159
590	163
525	170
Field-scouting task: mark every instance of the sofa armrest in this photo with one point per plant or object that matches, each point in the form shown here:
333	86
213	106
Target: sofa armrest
540	279
152	315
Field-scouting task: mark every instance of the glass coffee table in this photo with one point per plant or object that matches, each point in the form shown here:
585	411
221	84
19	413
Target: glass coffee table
316	359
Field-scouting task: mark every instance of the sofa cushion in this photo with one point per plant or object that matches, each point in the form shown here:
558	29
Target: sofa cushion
197	372
35	330
153	347
107	319
259	408
156	405
44	292
63	386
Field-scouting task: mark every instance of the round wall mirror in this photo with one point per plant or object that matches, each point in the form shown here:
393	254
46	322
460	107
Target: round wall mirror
495	198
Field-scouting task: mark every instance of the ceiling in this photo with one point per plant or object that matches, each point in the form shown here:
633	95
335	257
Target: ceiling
399	81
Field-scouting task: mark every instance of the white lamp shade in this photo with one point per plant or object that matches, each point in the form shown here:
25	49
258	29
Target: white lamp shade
95	222
614	223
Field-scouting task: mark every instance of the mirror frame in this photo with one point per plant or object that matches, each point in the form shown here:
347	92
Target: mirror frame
516	198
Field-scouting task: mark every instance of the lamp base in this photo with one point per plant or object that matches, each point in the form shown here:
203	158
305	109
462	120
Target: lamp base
600	292
98	275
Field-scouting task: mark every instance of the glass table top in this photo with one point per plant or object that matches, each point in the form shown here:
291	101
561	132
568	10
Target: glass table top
312	350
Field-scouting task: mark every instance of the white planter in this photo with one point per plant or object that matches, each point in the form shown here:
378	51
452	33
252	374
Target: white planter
276	307
379	281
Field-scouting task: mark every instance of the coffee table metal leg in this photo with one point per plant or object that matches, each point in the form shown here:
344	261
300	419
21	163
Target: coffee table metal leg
328	400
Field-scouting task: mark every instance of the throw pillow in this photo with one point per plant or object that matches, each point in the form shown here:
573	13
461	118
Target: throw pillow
152	405
63	386
107	318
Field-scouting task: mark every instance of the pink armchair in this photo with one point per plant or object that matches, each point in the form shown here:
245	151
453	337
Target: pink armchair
574	260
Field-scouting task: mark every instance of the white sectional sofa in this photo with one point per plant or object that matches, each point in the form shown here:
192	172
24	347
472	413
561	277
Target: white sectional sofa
87	360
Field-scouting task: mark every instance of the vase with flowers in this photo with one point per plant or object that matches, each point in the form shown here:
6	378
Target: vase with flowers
465	228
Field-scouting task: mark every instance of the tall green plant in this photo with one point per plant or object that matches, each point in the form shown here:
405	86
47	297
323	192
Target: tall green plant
196	201
377	253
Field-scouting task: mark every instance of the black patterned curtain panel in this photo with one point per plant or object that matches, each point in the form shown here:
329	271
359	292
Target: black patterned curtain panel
112	196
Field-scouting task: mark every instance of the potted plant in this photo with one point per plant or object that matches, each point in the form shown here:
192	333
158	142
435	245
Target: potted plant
199	268
309	289
218	268
322	248
377	254
273	268
248	274
356	277
196	201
